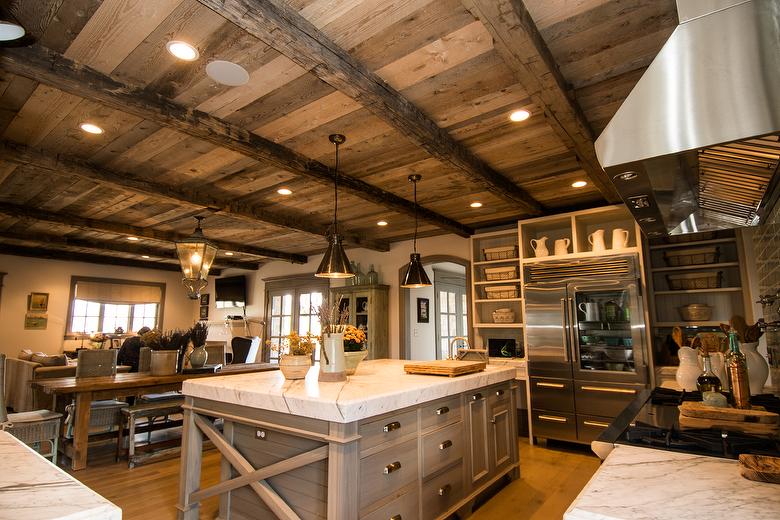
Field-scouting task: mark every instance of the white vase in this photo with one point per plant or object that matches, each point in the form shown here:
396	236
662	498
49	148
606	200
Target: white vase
688	371
758	368
332	362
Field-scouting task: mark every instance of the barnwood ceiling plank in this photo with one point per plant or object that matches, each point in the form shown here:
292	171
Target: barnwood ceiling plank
57	254
45	239
66	165
89	224
55	70
288	32
517	40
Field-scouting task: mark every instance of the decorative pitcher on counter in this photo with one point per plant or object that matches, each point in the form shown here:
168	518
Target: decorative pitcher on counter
539	246
758	368
332	362
689	370
620	238
562	246
596	241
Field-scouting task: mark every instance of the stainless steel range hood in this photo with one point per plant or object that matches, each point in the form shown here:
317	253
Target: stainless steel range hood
696	144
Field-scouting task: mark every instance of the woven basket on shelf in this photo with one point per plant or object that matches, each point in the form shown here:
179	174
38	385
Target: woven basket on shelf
695	312
499	253
693	256
500	273
700	280
501	292
503	316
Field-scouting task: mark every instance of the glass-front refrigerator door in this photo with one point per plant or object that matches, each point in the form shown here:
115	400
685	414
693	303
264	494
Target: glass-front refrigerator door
607	331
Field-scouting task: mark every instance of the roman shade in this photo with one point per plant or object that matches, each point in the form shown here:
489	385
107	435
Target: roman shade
110	292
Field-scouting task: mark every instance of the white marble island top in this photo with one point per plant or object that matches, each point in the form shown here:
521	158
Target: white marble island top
378	387
648	484
31	488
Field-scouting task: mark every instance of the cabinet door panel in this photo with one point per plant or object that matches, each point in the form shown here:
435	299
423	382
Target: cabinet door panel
501	441
479	457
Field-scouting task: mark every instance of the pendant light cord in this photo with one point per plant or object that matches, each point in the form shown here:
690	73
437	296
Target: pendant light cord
336	195
414	242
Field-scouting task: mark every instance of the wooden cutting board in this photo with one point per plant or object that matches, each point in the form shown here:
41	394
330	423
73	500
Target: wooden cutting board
760	468
445	367
761	429
754	415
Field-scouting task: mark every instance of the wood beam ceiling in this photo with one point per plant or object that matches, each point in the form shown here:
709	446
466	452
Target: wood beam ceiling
45	239
53	69
65	165
88	224
292	35
521	46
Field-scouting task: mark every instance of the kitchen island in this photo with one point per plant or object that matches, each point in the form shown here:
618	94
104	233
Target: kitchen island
383	444
649	484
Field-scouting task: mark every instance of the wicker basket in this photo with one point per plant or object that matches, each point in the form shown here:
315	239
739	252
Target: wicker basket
501	273
700	280
691	237
501	292
695	312
500	253
697	256
503	316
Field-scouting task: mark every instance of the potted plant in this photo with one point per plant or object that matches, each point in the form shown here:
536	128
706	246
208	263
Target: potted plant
197	335
354	347
295	363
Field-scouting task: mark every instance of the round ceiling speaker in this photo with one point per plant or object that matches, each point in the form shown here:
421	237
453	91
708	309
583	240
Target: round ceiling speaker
227	73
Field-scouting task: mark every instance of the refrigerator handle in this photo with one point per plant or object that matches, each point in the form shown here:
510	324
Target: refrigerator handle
564	330
572	326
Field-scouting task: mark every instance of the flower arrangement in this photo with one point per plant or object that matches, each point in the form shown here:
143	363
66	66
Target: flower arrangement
295	345
151	339
97	339
333	318
198	334
354	338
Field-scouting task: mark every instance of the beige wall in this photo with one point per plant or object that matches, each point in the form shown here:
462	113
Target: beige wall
386	264
26	275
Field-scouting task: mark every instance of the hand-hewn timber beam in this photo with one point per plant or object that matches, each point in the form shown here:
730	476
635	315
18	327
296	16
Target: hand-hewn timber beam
291	34
51	68
69	256
44	240
518	42
89	224
65	165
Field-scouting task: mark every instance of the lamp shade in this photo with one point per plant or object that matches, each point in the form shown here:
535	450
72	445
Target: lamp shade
415	274
335	263
196	255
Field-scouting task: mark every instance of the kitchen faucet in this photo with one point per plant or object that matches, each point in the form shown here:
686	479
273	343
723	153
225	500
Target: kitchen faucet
453	341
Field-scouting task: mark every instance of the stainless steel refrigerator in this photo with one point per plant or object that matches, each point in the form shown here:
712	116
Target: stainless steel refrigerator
586	340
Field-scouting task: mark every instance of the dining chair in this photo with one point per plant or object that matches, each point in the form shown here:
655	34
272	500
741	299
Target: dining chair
216	354
245	349
145	359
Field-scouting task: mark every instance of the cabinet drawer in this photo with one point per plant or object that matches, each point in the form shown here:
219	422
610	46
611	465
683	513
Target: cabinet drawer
404	507
589	427
441	448
552	394
604	399
387	429
384	472
499	394
440	413
442	492
555	425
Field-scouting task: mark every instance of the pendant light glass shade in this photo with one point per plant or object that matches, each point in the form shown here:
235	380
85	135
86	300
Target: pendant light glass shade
196	256
335	263
416	276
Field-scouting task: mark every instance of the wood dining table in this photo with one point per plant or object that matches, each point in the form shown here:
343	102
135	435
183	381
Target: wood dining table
88	389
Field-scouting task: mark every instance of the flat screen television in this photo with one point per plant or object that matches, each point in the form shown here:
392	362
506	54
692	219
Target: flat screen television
230	292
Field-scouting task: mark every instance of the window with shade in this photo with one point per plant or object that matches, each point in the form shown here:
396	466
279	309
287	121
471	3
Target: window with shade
101	305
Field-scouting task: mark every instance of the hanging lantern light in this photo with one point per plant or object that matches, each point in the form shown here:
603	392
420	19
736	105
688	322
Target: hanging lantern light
335	263
196	255
415	272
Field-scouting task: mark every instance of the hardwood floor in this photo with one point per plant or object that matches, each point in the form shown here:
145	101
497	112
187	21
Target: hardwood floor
551	477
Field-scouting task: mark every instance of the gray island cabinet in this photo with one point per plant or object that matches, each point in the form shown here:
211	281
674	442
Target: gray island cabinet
383	445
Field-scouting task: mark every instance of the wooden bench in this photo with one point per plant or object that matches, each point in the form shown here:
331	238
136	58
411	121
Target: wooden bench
149	411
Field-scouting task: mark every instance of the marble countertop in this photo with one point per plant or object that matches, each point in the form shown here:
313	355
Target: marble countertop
32	488
647	484
378	387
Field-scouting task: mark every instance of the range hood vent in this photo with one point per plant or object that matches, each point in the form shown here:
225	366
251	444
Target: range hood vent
696	144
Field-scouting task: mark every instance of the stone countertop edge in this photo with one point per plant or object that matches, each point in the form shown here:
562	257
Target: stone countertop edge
378	387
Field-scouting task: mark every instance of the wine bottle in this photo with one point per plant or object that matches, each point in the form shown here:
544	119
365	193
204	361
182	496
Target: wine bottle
737	375
708	381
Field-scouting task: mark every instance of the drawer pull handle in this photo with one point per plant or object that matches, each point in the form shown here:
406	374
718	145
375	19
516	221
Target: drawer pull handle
391	426
553	418
396	517
446	444
445	490
443	410
499	393
597	424
476	397
609	389
550	385
394	466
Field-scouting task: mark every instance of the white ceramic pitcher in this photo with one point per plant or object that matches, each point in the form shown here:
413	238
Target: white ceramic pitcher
539	245
562	246
596	241
619	238
332	362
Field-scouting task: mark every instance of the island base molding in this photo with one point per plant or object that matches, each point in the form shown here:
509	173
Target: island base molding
423	462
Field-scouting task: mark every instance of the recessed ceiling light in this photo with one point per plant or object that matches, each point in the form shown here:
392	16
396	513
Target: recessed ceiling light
381	223
145	256
91	128
647	219
182	50
228	253
10	31
519	115
476	204
133	239
579	184
627	176
284	191
227	73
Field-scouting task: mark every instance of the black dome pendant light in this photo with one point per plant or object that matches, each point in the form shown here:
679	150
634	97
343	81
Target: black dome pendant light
415	273
335	263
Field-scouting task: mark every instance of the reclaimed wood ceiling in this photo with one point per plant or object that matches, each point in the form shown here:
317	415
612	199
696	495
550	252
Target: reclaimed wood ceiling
417	86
